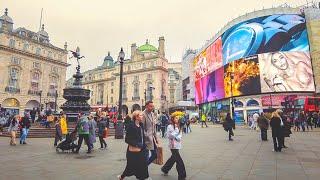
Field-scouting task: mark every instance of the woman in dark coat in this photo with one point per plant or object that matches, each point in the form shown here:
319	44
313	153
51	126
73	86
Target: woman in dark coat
229	125
136	162
102	125
277	134
286	129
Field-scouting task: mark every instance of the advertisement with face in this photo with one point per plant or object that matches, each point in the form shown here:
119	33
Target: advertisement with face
265	34
286	72
213	86
246	77
201	67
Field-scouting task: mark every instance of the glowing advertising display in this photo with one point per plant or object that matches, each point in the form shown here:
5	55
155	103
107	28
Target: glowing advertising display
246	77
264	55
286	71
265	34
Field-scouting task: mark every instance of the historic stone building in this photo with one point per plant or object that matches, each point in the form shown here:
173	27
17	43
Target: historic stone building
145	77
30	68
188	75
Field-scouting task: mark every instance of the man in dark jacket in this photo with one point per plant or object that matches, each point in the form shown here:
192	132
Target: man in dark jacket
263	124
25	126
286	128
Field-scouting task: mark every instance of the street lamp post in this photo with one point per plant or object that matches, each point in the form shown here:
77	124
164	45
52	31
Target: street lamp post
119	126
40	94
151	88
55	101
232	100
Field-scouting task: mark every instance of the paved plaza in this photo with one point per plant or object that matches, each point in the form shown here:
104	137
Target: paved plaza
207	155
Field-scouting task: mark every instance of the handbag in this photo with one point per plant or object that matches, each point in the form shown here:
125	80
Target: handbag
105	133
159	159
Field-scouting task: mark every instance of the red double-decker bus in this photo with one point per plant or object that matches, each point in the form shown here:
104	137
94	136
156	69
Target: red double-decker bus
307	104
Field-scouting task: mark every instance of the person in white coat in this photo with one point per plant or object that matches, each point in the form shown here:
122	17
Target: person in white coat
174	134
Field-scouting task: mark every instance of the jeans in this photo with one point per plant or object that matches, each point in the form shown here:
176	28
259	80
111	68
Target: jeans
163	130
24	135
103	143
264	134
152	157
86	139
175	158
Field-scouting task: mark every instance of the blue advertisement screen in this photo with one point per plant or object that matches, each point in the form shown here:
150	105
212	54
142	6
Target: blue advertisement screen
263	35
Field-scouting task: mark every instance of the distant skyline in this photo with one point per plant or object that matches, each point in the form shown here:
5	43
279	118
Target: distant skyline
99	26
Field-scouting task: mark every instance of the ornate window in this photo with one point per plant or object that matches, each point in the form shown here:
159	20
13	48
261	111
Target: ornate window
53	85
36	65
144	65
136	90
35	79
14	74
38	51
25	46
12	43
15	61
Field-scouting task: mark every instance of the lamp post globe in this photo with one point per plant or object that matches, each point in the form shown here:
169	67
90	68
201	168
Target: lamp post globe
119	125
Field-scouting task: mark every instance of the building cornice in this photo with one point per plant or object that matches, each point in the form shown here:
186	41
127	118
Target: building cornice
17	51
98	81
141	70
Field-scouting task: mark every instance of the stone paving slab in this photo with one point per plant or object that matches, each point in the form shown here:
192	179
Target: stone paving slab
206	152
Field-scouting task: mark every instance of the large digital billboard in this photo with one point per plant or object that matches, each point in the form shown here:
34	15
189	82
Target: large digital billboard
286	71
261	55
246	77
265	34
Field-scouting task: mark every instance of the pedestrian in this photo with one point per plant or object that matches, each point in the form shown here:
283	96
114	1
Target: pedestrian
164	122
58	134
25	126
228	125
102	125
302	119
286	128
174	134
188	125
136	151
149	122
127	121
63	125
33	113
203	120
82	128
13	128
263	124
255	117
309	121
92	130
315	119
276	124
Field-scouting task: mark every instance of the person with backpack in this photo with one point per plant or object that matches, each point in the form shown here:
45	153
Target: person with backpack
82	128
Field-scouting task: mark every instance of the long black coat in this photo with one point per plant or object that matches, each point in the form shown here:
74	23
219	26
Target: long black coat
275	124
286	128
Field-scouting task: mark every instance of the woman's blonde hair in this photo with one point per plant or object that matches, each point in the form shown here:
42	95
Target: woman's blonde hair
135	114
276	114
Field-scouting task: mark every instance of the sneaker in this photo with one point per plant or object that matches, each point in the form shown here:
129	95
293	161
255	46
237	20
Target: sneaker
24	143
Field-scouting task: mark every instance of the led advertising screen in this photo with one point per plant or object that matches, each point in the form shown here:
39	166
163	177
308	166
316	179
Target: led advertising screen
265	34
246	77
208	60
286	71
213	86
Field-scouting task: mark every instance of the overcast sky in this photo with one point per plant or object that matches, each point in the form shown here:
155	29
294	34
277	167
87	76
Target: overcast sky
99	26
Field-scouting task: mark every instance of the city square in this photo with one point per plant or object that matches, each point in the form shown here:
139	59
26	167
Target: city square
112	89
212	157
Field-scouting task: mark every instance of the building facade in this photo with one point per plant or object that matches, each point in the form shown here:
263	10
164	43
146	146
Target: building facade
174	83
32	70
145	77
187	75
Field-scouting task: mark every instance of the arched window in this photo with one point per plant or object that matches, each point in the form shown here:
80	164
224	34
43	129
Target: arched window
252	102
238	104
